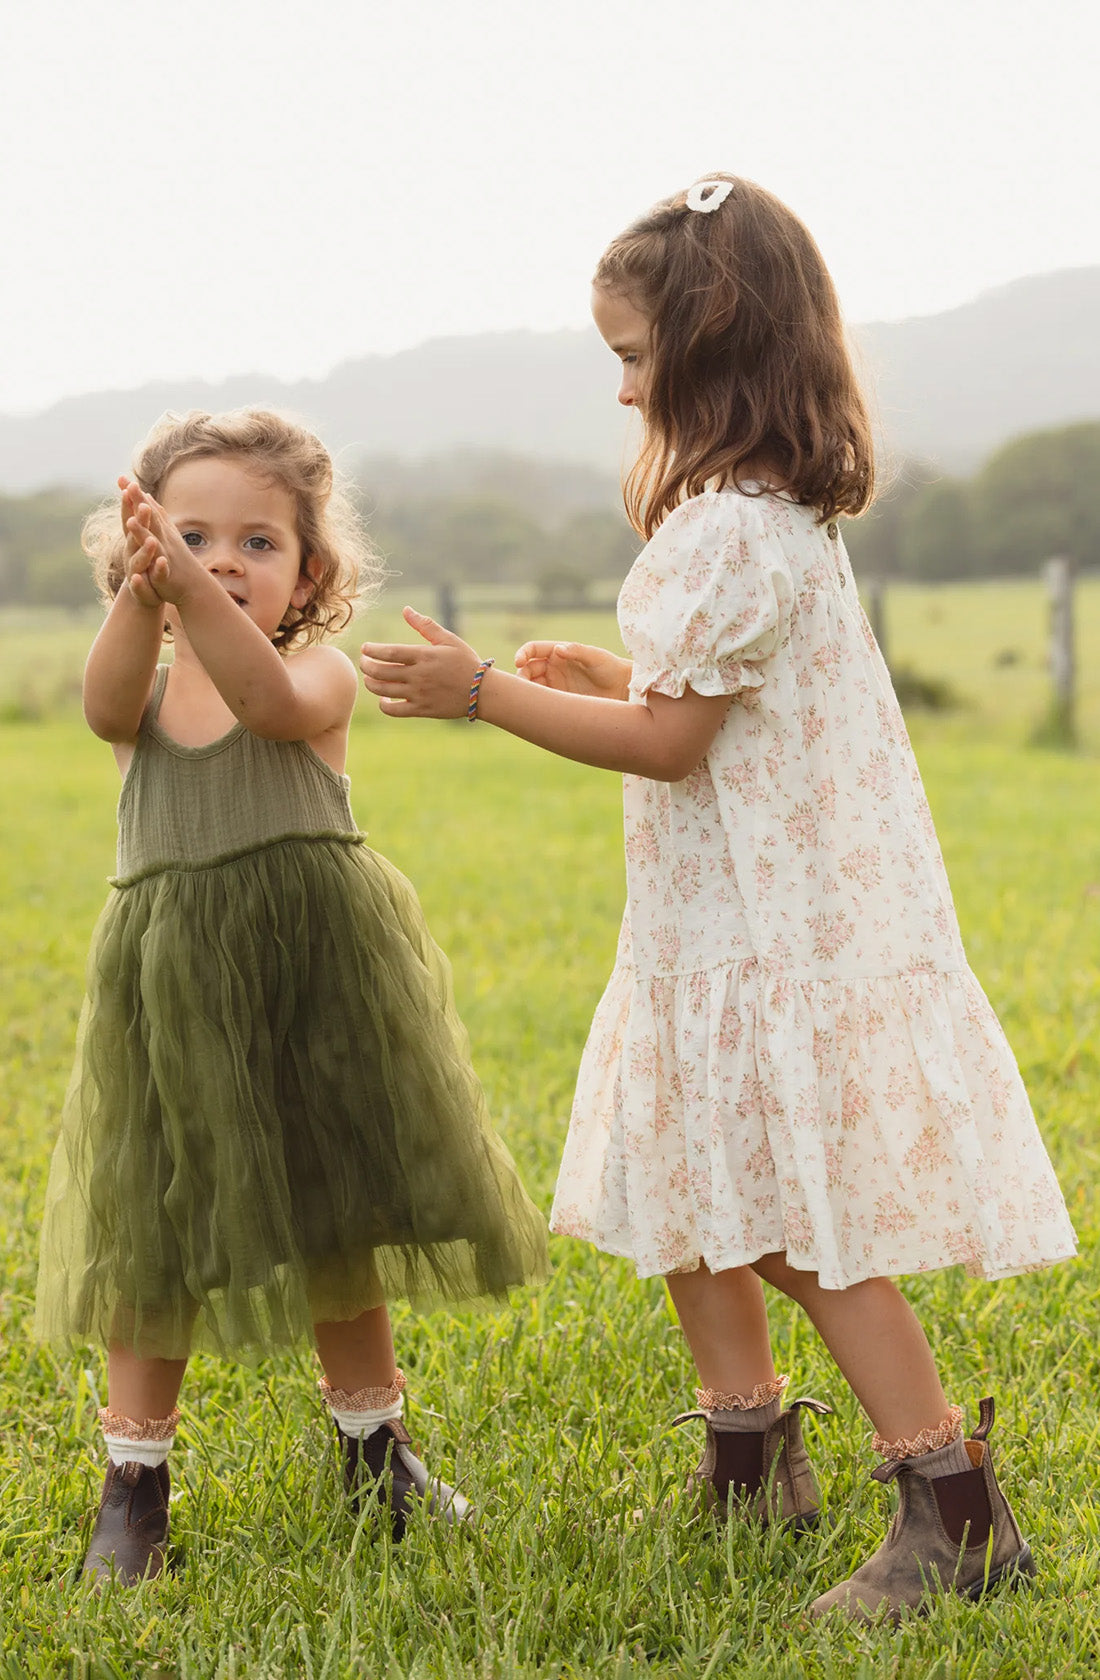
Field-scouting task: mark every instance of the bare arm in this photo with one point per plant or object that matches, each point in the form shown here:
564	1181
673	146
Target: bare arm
119	671
658	737
120	668
297	698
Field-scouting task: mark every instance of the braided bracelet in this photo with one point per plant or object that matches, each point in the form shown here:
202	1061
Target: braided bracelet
475	689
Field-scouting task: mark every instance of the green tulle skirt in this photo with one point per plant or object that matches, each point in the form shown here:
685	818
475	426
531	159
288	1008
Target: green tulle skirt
272	1120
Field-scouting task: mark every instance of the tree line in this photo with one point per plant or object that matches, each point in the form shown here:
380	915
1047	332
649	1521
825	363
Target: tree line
486	517
1036	496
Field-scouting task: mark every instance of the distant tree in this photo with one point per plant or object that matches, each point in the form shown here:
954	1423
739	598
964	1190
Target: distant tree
561	584
874	540
1040	495
547	490
46	523
484	539
599	546
935	535
62	577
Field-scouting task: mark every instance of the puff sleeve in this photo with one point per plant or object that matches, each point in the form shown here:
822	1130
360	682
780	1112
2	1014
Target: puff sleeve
707	601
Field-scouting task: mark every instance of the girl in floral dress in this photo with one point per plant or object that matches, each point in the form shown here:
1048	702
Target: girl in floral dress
792	1075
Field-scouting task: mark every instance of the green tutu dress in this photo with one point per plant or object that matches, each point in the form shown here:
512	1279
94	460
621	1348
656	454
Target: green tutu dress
272	1120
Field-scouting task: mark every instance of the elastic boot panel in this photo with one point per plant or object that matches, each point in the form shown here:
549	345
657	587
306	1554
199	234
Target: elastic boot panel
738	1465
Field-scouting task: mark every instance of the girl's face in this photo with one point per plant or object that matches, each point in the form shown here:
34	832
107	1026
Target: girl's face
626	331
243	528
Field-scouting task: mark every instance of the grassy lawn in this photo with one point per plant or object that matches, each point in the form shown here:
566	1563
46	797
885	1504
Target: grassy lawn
587	1559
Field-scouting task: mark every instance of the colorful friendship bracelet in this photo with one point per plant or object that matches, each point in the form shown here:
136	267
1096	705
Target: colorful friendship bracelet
475	689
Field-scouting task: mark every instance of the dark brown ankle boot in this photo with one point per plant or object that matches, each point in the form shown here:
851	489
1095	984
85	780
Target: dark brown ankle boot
764	1472
383	1467
130	1538
952	1533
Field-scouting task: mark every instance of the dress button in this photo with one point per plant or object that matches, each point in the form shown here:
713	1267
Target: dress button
832	530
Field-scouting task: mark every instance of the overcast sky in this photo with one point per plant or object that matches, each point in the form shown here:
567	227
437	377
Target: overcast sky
227	186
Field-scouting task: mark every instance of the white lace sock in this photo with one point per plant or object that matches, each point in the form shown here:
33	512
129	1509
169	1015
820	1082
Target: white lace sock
138	1441
358	1413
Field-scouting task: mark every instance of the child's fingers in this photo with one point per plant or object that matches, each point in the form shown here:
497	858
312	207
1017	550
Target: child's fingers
142	590
533	650
429	629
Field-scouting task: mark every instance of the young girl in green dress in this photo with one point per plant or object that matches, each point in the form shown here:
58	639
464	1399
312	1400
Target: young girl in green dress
272	1127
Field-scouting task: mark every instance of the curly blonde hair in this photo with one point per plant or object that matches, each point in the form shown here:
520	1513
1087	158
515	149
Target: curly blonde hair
330	529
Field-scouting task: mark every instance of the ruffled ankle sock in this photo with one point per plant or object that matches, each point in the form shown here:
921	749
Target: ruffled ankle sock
358	1412
138	1440
743	1414
939	1451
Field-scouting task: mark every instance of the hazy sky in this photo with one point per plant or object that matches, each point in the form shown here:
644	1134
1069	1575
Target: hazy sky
229	186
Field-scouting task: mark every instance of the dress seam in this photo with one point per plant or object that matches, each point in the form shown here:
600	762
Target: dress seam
185	866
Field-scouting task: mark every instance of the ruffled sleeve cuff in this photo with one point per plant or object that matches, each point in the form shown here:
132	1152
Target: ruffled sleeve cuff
707	601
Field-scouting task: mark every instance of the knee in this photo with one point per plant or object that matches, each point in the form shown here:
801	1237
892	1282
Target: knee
773	1268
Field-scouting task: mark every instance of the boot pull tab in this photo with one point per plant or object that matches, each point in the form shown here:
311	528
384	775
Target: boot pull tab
817	1406
886	1471
687	1417
986	1410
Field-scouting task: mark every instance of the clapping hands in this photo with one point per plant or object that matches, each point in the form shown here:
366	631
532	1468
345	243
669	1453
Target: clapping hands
158	561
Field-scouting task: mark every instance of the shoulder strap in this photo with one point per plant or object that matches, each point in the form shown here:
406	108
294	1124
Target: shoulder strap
156	694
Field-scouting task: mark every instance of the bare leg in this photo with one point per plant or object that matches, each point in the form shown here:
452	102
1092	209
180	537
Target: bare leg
723	1317
876	1339
357	1352
142	1388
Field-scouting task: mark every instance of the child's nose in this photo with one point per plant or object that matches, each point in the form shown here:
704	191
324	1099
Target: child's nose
626	391
223	558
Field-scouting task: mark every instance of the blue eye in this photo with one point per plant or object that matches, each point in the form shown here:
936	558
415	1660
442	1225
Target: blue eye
193	539
259	544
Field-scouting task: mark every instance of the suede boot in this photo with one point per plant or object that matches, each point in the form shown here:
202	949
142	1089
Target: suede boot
764	1472
952	1533
130	1538
382	1467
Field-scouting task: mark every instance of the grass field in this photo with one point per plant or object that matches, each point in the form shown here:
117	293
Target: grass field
555	1413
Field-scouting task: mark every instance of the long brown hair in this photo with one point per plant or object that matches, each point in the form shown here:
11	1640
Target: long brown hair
330	531
748	367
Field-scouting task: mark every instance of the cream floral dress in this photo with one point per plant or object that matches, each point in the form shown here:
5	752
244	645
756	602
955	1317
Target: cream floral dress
791	1053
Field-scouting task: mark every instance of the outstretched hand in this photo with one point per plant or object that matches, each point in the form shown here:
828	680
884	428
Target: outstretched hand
159	563
575	668
142	546
420	681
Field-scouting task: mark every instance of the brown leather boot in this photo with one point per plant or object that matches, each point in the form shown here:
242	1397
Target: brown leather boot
130	1538
766	1472
953	1533
382	1467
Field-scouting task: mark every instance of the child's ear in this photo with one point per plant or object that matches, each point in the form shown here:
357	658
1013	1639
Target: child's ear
308	579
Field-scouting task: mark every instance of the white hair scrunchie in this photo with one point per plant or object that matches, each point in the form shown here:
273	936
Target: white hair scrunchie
706	196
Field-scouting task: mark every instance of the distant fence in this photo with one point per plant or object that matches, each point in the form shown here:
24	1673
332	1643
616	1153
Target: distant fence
1059	726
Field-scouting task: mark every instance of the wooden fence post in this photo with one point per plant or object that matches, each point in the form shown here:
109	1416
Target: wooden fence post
1062	728
876	611
446	607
